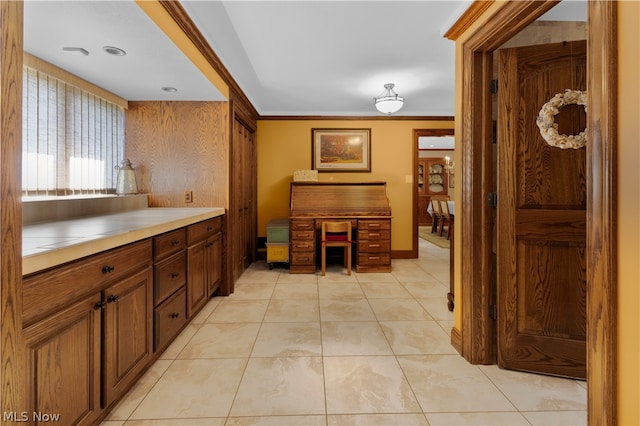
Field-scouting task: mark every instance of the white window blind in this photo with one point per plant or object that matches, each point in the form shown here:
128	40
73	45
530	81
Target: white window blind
71	138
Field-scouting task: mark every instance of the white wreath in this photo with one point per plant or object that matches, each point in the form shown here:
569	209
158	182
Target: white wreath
548	127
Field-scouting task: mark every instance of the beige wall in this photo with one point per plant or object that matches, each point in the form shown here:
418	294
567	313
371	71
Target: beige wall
628	213
285	146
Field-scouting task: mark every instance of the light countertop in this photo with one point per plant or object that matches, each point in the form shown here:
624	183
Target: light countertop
52	243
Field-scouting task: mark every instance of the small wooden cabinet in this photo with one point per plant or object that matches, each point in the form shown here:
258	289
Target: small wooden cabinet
87	331
432	180
374	245
204	262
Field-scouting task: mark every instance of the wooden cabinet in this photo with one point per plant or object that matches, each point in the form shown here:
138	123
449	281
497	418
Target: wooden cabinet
432	180
204	262
88	331
303	246
169	287
63	363
374	245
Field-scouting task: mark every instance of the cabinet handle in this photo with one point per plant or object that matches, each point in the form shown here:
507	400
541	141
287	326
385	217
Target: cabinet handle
303	245
107	269
99	305
374	245
174	275
175	242
113	298
374	257
374	234
208	244
374	225
174	315
209	228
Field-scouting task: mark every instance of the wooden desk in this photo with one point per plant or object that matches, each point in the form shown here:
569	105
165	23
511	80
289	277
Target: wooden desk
365	204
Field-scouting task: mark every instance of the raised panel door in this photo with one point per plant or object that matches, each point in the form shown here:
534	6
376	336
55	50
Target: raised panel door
128	332
63	363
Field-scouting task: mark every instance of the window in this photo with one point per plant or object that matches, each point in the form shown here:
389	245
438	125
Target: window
71	139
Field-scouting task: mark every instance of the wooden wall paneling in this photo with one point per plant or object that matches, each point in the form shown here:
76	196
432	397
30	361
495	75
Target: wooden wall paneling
602	181
179	146
12	347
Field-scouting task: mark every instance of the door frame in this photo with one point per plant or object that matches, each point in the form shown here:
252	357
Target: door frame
476	336
416	148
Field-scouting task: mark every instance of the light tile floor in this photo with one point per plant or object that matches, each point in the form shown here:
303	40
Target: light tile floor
365	349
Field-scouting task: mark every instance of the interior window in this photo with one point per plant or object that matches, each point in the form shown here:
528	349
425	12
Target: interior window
71	138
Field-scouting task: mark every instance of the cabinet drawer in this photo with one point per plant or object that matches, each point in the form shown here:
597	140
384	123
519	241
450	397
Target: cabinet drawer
374	247
166	244
168	276
303	245
374	235
201	230
48	291
302	225
369	259
169	318
302	235
374	225
308	258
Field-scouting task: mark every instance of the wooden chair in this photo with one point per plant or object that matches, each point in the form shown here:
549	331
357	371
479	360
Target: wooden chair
435	214
336	234
445	216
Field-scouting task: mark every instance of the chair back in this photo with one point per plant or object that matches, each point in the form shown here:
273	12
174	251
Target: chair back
336	231
435	205
444	208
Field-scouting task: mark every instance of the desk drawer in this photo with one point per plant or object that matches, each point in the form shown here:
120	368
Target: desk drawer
169	275
303	245
302	225
306	258
374	225
370	259
374	246
374	235
302	235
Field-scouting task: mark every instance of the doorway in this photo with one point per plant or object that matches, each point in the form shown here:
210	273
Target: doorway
475	338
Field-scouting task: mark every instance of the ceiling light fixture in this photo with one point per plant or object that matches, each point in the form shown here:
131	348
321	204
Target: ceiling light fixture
116	51
388	101
76	50
169	89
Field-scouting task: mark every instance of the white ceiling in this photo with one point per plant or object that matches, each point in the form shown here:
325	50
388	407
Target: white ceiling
289	57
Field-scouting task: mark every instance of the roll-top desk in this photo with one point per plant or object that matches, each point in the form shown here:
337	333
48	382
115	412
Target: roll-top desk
364	204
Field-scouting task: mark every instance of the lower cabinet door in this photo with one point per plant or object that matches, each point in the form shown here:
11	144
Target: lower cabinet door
128	333
196	277
63	365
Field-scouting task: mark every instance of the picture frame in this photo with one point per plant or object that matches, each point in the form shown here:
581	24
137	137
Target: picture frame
341	150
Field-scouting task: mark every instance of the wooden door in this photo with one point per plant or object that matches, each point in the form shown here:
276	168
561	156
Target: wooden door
243	210
541	219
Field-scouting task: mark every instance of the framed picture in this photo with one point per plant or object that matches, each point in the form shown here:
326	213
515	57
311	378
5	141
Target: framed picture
341	150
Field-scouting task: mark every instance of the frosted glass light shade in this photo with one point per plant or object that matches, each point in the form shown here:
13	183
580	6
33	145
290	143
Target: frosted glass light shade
389	101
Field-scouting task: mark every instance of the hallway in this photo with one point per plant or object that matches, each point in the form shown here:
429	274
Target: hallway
365	349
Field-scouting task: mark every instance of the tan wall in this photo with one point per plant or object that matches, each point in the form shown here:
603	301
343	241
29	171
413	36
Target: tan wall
285	146
628	213
177	147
